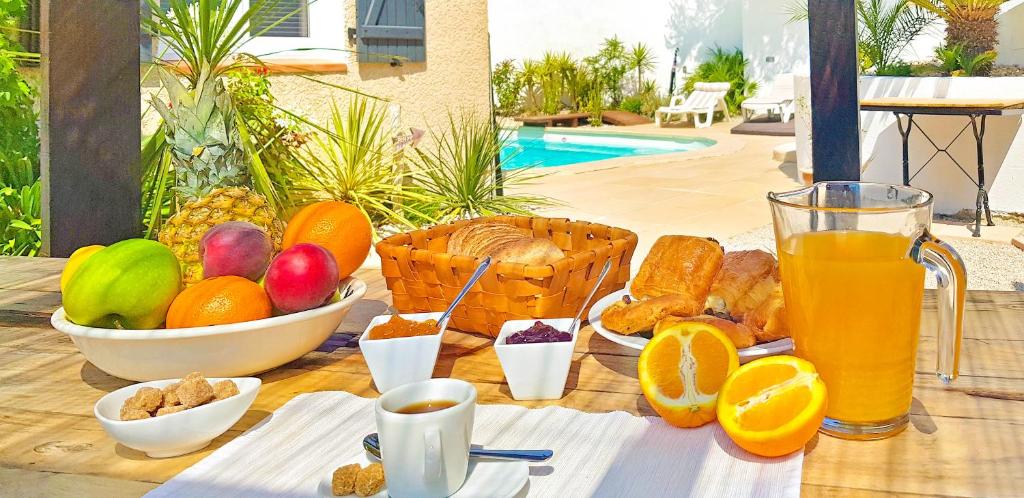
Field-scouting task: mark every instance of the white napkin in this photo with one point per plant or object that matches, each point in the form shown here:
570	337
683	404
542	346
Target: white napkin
607	455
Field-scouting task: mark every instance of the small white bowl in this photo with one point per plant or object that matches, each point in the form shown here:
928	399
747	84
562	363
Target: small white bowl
177	433
536	371
394	362
231	350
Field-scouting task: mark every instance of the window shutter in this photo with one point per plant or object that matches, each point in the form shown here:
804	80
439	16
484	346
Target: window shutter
297	25
391	29
30	22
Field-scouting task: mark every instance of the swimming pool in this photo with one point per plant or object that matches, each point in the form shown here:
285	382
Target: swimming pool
545	149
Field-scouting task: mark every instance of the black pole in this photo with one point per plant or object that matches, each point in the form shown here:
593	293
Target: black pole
835	126
672	77
90	134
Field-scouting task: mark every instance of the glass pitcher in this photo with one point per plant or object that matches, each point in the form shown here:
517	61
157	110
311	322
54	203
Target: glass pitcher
852	257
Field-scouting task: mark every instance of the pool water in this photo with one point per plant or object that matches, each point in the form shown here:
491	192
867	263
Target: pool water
541	149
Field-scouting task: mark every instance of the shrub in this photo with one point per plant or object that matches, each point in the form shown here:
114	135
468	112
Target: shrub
20	222
724	66
508	87
633	103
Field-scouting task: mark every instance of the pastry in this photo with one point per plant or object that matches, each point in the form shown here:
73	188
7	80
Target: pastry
679	265
754	297
634	317
741	270
503	243
528	251
741	335
768	319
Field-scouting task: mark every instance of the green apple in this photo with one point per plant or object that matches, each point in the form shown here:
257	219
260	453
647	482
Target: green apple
128	285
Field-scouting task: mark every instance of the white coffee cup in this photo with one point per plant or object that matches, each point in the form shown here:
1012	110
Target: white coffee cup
426	455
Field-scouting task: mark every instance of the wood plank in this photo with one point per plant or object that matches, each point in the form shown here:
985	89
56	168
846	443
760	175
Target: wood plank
89	138
25	483
942	102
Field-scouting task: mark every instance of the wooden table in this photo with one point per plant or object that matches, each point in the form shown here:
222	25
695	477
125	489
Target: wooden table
977	112
963	441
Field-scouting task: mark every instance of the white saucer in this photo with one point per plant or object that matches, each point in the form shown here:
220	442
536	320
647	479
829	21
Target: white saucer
486	479
636	342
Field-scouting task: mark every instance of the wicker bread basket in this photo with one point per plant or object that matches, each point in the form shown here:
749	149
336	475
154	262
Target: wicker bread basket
423	277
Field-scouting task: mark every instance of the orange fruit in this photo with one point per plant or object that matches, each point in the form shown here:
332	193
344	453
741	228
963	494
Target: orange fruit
773	406
339	227
682	369
218	301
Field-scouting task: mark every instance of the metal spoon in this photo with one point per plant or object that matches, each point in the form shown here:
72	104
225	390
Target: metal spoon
465	289
600	278
372	444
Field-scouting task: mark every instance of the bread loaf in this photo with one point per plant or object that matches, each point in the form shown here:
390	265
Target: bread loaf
504	243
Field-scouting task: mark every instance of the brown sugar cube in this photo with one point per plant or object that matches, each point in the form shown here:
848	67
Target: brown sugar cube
343	483
370	480
167	410
224	389
193	375
131	413
194	391
147	399
171	395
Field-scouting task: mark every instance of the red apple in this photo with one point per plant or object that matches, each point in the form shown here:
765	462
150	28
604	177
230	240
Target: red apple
302	277
235	248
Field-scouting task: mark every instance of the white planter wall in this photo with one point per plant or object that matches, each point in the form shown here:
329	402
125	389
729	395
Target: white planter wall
881	143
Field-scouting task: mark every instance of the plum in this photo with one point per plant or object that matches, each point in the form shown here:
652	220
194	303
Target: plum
302	277
235	248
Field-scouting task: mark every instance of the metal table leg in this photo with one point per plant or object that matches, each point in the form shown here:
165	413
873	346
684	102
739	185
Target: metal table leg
982	201
905	134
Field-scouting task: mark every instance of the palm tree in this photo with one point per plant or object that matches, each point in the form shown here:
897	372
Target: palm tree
641	59
969	23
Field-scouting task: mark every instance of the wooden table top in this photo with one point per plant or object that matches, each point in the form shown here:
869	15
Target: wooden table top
926	105
967	440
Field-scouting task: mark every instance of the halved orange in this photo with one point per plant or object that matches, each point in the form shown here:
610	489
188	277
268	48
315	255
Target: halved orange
773	406
682	369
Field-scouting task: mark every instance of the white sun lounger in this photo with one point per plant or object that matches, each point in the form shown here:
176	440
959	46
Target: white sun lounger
777	100
705	99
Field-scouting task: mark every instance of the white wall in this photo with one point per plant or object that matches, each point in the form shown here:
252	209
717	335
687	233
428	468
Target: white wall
767	33
1011	33
527	28
881	148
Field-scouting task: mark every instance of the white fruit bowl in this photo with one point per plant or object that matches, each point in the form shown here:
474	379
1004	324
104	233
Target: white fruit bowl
177	433
233	350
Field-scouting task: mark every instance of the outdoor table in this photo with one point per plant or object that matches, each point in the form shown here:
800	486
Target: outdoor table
966	440
976	110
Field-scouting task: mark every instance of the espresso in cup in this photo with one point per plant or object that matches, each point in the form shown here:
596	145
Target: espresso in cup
425	430
427	406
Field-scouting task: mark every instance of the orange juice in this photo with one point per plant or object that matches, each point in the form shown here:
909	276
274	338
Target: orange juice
853	301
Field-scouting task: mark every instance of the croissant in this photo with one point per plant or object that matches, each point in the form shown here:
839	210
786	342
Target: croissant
741	270
768	319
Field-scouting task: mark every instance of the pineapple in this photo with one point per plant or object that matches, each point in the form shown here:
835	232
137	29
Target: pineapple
210	170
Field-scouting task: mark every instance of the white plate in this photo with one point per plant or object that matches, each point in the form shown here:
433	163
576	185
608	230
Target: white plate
486	479
636	342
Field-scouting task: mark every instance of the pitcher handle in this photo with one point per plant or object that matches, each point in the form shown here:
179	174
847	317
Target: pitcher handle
943	261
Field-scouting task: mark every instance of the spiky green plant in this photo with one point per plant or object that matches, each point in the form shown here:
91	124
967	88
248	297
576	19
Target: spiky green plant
354	161
640	58
202	137
974	65
970	23
460	173
948	58
885	28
